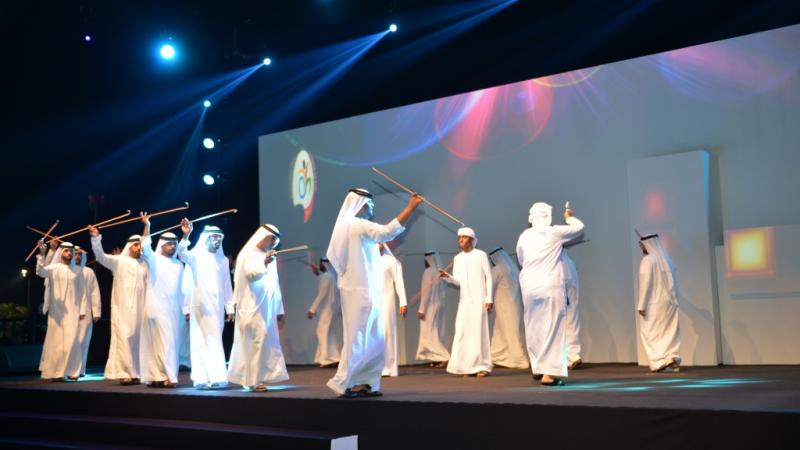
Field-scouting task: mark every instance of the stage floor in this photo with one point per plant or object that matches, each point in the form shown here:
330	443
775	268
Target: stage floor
730	388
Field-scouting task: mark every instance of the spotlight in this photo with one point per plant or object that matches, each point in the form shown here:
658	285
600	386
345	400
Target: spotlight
167	51
87	38
207	104
267	61
209	179
208	143
392	28
23	272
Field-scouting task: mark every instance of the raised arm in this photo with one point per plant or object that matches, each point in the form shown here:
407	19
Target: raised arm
147	241
108	261
93	294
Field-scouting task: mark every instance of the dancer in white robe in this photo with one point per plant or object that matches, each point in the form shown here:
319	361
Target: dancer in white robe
61	352
354	255
471	354
163	311
573	318
128	293
92	306
256	357
392	271
211	304
658	306
431	314
508	333
544	298
327	306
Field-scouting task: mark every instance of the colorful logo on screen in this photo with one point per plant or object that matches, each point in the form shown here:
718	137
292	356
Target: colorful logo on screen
304	183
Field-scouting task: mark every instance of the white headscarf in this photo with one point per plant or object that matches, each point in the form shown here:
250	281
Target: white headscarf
433	259
200	247
467	231
540	215
135	238
167	237
500	257
652	244
59	250
241	284
337	249
82	264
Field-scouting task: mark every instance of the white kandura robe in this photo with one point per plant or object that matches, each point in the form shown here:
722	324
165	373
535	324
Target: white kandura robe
163	314
256	356
431	329
471	345
658	297
93	307
573	317
508	333
544	294
392	271
128	293
61	352
328	309
211	298
360	287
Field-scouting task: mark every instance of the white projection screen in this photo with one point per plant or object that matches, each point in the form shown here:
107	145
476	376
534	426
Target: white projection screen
486	156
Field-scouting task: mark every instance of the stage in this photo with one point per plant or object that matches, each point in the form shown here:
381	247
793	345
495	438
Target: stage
602	406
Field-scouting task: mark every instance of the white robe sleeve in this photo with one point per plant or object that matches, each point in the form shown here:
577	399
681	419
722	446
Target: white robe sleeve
184	254
254	267
148	256
399	285
571	230
646	276
108	261
42	268
323	288
487	276
454	279
382	233
226	290
93	294
43	271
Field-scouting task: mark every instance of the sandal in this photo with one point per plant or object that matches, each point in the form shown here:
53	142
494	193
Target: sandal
482	374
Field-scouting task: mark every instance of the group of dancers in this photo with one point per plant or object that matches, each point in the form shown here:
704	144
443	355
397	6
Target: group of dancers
156	290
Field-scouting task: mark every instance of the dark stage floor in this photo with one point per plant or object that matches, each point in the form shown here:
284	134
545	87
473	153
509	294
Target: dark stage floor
733	388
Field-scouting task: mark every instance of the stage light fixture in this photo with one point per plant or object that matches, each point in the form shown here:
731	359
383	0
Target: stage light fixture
267	61
208	143
23	272
87	38
207	104
167	51
392	28
209	179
